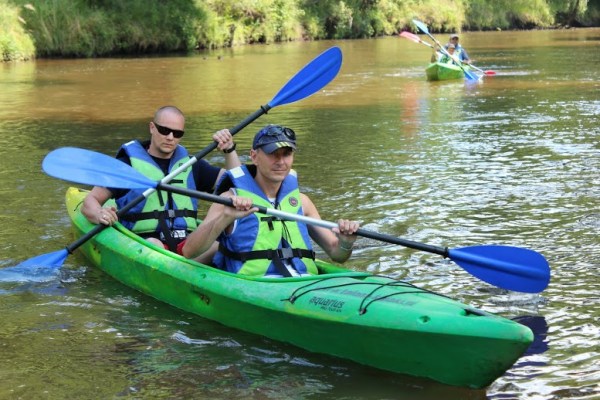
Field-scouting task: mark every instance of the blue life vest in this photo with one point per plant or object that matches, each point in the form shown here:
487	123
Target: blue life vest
460	52
261	244
165	212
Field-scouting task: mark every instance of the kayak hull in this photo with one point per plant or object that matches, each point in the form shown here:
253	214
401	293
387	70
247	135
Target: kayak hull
373	320
443	72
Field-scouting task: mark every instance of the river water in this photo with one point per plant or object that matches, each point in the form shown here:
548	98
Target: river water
512	160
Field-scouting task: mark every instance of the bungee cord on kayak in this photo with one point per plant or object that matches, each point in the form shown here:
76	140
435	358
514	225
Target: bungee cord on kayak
362	308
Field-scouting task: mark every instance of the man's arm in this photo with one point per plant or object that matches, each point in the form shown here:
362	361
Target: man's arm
226	144
218	219
464	56
337	242
93	209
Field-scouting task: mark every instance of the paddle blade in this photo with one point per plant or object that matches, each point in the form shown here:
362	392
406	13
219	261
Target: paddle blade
54	260
508	267
490	73
410	36
469	75
91	168
310	79
421	26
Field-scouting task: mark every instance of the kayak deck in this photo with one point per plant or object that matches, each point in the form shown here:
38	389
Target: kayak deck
373	320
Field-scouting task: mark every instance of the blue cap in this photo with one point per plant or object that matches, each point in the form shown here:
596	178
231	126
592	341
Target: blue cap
273	137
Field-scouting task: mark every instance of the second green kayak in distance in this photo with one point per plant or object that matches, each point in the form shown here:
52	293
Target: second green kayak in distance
443	72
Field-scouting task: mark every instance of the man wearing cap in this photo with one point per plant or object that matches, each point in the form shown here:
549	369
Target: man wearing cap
256	244
459	51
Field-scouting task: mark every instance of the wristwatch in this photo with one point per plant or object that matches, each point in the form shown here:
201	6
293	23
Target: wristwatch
232	148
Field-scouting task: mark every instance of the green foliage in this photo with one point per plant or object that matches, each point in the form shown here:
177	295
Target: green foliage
340	19
211	31
87	28
592	15
66	29
231	23
573	12
15	43
391	16
91	28
442	15
143	27
505	14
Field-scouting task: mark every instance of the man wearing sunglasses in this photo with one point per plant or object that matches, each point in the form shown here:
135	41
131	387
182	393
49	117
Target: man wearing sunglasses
163	218
251	243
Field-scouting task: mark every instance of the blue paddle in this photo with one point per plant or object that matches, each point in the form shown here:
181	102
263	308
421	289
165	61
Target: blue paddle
310	79
423	28
507	267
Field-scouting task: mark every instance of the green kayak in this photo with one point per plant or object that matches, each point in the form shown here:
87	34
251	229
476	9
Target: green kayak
443	72
370	319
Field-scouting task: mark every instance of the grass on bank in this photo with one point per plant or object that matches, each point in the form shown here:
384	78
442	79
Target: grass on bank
16	44
95	28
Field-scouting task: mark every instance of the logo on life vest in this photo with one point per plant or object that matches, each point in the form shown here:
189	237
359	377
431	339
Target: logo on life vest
293	202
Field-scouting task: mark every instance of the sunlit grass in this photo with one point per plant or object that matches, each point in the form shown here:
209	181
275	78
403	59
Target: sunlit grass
15	43
80	28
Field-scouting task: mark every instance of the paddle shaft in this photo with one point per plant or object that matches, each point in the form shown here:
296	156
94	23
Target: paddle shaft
506	272
426	44
488	72
202	153
307	220
415	38
478	69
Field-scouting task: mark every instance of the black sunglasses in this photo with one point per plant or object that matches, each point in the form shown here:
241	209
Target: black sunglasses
277	130
163	130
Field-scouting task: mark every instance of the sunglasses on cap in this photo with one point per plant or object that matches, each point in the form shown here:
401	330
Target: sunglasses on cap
275	131
163	130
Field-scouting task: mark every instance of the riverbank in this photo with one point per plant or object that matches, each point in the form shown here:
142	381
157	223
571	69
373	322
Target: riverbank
76	28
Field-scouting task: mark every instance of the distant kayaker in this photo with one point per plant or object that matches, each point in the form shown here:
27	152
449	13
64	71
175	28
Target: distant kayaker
460	51
251	243
163	218
449	58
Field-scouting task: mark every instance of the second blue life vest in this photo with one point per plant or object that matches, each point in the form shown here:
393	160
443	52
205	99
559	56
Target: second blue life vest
261	244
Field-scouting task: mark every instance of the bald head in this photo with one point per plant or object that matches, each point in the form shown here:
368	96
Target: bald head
167	112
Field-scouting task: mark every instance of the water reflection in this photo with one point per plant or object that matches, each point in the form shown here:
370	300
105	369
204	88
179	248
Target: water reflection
204	359
539	327
28	274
